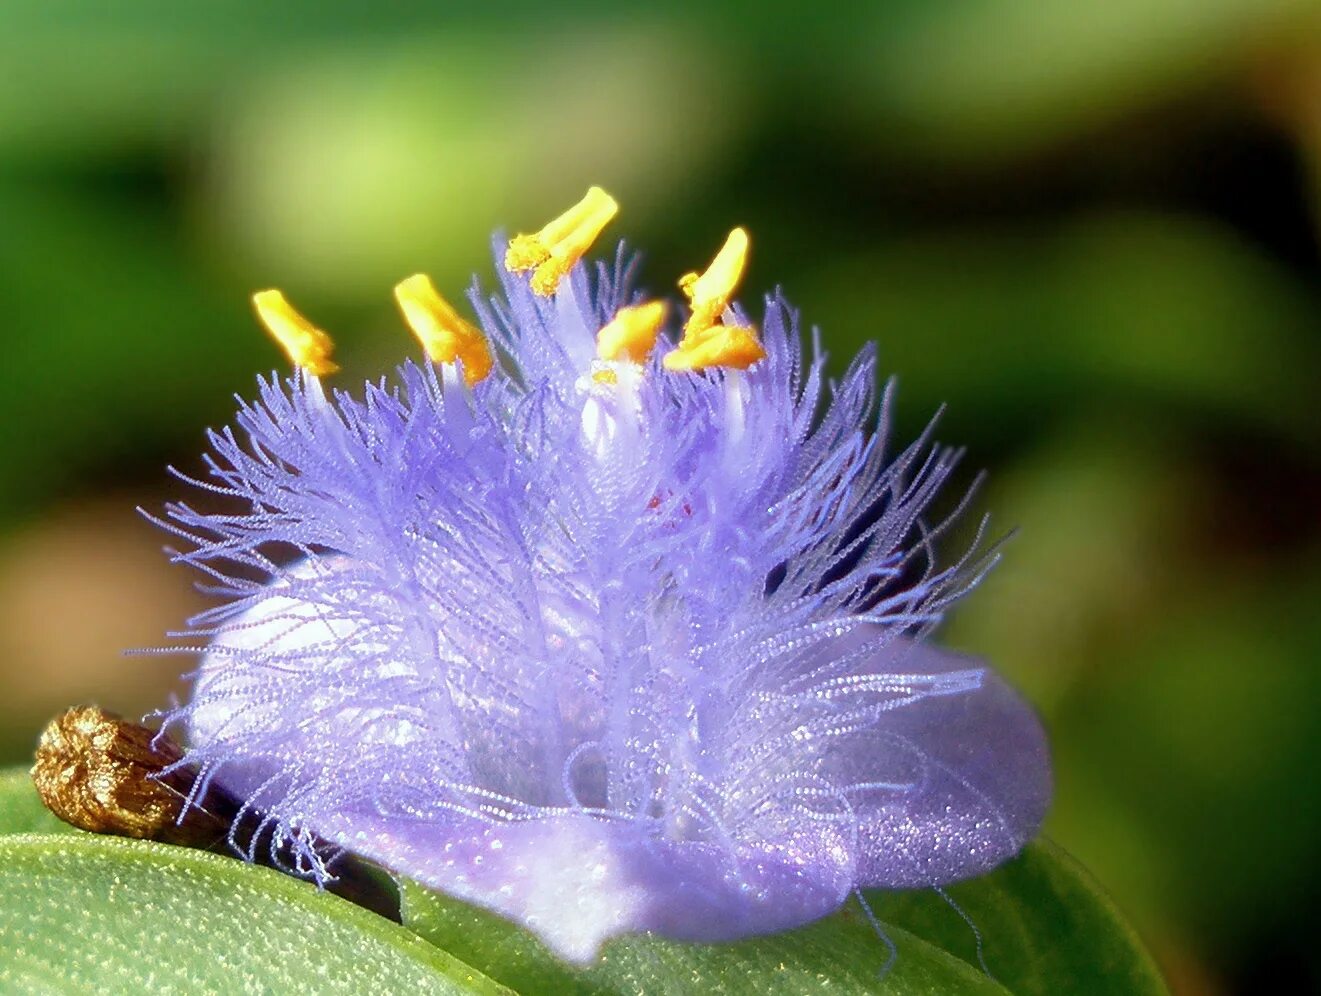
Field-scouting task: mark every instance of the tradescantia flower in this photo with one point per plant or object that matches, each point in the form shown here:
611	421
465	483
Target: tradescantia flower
601	624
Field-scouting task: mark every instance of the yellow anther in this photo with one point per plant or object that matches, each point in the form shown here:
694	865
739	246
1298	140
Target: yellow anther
305	344
632	333
717	346
556	248
443	332
606	376
710	291
706	342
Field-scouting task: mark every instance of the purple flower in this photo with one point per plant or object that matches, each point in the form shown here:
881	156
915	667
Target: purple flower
598	631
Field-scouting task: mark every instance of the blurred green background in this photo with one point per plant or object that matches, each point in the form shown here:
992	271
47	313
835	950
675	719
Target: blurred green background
1091	227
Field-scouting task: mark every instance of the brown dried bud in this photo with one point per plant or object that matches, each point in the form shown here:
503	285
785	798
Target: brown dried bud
102	773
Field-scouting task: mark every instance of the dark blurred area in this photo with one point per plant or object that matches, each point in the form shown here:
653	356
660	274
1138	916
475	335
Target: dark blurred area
1090	227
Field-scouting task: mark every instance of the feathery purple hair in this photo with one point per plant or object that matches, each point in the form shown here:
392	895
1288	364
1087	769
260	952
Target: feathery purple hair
602	653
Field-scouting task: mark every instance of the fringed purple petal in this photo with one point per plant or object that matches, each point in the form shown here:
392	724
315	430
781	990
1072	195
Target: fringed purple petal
576	880
600	646
949	786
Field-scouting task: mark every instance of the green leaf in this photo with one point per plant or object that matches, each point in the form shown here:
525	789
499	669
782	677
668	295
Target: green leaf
89	914
841	954
21	810
1046	927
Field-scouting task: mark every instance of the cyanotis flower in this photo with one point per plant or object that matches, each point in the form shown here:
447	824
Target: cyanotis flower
600	629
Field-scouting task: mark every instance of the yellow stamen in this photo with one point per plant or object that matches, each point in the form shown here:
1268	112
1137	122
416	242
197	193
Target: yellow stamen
710	291
443	332
717	346
606	376
632	333
305	344
556	248
706	342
